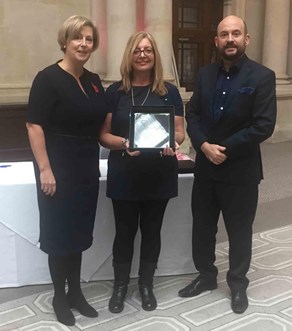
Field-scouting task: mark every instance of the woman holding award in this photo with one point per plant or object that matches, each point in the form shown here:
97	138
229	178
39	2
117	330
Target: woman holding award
139	183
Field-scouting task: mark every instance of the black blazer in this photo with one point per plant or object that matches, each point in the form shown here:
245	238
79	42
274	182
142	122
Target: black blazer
248	119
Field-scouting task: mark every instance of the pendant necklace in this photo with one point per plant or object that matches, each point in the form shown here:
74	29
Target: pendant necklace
133	100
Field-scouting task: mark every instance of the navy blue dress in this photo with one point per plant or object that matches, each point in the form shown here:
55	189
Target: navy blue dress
71	121
147	176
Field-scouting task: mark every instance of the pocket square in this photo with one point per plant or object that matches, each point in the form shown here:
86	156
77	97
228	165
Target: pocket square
246	90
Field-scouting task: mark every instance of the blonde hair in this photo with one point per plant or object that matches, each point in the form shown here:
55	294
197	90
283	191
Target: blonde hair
71	28
126	69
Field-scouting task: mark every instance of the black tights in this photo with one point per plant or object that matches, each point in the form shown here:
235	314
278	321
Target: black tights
64	268
128	215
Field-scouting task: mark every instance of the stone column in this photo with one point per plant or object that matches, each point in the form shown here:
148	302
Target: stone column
234	7
255	20
276	35
158	21
227	7
121	24
290	47
98	58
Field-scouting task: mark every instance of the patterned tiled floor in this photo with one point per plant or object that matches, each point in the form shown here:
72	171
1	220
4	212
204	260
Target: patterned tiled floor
270	297
270	290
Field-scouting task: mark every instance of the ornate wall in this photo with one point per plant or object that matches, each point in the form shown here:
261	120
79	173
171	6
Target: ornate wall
28	37
28	33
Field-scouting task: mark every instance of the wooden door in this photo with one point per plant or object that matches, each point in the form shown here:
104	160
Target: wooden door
194	29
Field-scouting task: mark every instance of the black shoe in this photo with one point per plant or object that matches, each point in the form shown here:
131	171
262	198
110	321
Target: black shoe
62	310
147	297
196	287
116	303
78	302
239	301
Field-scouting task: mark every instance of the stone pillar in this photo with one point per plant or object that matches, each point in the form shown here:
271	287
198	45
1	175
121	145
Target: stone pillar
255	20
238	8
227	7
98	58
158	21
121	24
275	50
290	46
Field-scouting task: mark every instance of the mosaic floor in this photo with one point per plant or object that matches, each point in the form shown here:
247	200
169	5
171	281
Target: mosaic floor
270	290
270	297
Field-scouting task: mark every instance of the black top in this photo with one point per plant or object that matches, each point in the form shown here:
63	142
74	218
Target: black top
58	104
148	176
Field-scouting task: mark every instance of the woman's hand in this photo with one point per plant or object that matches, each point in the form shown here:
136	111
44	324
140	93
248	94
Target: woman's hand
134	153
126	145
38	145
169	151
48	182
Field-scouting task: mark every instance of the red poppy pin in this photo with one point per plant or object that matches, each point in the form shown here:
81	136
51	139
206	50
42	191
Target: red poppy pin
95	88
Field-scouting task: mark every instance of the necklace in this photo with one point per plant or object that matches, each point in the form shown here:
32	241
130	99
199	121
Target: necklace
133	100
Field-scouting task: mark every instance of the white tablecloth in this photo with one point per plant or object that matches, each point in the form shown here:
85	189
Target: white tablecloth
22	262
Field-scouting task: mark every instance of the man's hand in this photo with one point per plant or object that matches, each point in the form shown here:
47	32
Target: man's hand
214	153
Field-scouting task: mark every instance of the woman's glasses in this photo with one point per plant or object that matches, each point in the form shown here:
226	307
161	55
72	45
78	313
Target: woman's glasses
147	52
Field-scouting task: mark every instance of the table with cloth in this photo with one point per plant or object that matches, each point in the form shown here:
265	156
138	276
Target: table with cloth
23	263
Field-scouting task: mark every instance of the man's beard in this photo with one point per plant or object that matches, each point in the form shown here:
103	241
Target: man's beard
232	57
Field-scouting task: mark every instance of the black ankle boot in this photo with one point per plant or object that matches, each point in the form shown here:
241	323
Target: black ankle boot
147	297
116	303
78	301
146	273
62	310
122	278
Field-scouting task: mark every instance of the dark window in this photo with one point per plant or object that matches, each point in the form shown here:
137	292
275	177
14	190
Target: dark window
194	29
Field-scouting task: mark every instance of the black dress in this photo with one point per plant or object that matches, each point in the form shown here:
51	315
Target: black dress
71	121
147	176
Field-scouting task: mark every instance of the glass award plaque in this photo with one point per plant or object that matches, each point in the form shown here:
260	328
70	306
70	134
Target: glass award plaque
151	128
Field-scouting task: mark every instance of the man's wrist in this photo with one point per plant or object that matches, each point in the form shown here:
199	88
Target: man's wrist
203	146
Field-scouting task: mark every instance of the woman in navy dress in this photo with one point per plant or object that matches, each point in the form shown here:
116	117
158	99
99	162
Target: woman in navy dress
139	184
66	111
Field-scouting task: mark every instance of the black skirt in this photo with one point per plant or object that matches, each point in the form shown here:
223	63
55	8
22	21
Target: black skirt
67	218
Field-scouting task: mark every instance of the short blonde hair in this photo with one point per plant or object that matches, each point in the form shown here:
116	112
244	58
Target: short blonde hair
126	69
71	28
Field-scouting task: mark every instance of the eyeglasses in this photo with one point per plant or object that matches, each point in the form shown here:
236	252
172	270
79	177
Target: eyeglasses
147	52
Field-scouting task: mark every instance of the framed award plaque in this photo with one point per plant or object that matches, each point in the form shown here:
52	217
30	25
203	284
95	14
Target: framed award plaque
151	128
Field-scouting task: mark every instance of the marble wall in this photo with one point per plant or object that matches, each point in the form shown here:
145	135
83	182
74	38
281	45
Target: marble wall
28	38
